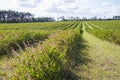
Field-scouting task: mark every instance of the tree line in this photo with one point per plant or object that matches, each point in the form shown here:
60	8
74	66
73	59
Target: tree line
15	17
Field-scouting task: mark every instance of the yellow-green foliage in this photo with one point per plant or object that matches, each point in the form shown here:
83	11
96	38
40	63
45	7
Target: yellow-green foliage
36	26
110	31
49	61
10	39
14	35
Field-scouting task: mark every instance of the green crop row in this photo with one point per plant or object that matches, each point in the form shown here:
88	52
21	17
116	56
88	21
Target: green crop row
75	25
52	60
16	38
107	25
34	26
106	34
20	39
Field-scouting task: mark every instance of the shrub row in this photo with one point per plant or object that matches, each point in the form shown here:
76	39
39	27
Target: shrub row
52	60
16	39
109	35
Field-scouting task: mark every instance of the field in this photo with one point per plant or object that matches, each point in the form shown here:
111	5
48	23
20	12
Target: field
106	30
70	50
38	50
103	39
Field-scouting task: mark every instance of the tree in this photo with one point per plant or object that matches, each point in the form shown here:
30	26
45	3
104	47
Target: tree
14	17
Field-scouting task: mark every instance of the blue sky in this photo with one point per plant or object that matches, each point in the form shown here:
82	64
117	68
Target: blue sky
56	8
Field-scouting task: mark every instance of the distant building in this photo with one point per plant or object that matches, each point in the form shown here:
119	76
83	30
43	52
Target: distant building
116	17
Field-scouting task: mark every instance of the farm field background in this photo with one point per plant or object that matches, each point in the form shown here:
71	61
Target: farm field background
69	50
105	30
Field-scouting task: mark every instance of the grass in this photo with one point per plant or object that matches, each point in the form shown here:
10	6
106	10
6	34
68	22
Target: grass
87	57
105	60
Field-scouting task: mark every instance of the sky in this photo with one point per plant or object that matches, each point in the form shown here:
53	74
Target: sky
56	8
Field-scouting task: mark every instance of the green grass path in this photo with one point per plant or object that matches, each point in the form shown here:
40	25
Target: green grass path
105	59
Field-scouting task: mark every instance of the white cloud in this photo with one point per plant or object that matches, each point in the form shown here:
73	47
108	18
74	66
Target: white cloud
56	8
28	3
7	4
106	4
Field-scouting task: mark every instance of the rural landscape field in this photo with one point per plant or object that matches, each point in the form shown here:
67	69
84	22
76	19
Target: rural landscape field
69	50
59	40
